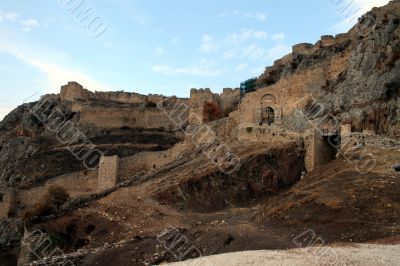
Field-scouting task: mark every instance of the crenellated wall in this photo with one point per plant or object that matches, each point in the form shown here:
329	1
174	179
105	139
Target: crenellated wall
227	101
122	109
142	111
303	48
325	41
73	91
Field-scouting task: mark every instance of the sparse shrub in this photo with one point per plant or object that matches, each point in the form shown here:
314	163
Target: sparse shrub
50	203
211	112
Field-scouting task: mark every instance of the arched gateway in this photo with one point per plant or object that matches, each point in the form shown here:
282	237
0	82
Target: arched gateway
268	103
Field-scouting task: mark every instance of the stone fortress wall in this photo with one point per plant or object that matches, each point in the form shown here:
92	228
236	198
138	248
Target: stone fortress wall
250	122
142	111
147	162
227	102
283	99
325	41
123	109
76	184
73	91
128	117
294	91
111	171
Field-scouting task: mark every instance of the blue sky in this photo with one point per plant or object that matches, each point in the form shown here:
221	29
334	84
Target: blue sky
154	46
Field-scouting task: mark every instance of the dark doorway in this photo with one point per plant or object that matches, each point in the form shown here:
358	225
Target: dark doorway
268	116
330	147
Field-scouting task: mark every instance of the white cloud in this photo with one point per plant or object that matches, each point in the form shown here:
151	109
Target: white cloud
259	16
253	51
209	44
237	13
56	74
238	44
160	50
244	35
30	24
367	5
241	67
13	16
27	24
279	37
228	54
5	110
204	68
351	10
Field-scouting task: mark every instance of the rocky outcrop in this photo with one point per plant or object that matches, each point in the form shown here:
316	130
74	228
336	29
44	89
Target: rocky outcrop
260	175
367	91
13	154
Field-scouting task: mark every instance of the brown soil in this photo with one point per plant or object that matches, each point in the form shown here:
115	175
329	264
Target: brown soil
333	204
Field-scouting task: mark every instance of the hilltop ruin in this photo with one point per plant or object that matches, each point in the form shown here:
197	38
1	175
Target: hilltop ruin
313	146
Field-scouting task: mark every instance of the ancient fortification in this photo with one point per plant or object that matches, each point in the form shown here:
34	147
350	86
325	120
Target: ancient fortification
290	104
313	142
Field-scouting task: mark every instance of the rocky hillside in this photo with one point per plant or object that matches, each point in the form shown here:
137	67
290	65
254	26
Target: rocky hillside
32	150
175	201
369	87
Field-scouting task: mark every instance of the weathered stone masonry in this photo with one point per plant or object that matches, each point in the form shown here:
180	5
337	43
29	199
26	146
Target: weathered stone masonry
108	172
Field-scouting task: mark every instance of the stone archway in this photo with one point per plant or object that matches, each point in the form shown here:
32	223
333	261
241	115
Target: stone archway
268	100
269	109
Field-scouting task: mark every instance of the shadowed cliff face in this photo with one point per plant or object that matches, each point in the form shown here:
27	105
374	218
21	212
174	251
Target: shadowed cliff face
259	176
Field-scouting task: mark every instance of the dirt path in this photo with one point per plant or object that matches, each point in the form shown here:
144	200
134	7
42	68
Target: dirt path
349	255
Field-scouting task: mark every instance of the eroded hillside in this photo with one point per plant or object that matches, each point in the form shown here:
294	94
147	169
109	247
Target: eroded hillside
309	158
